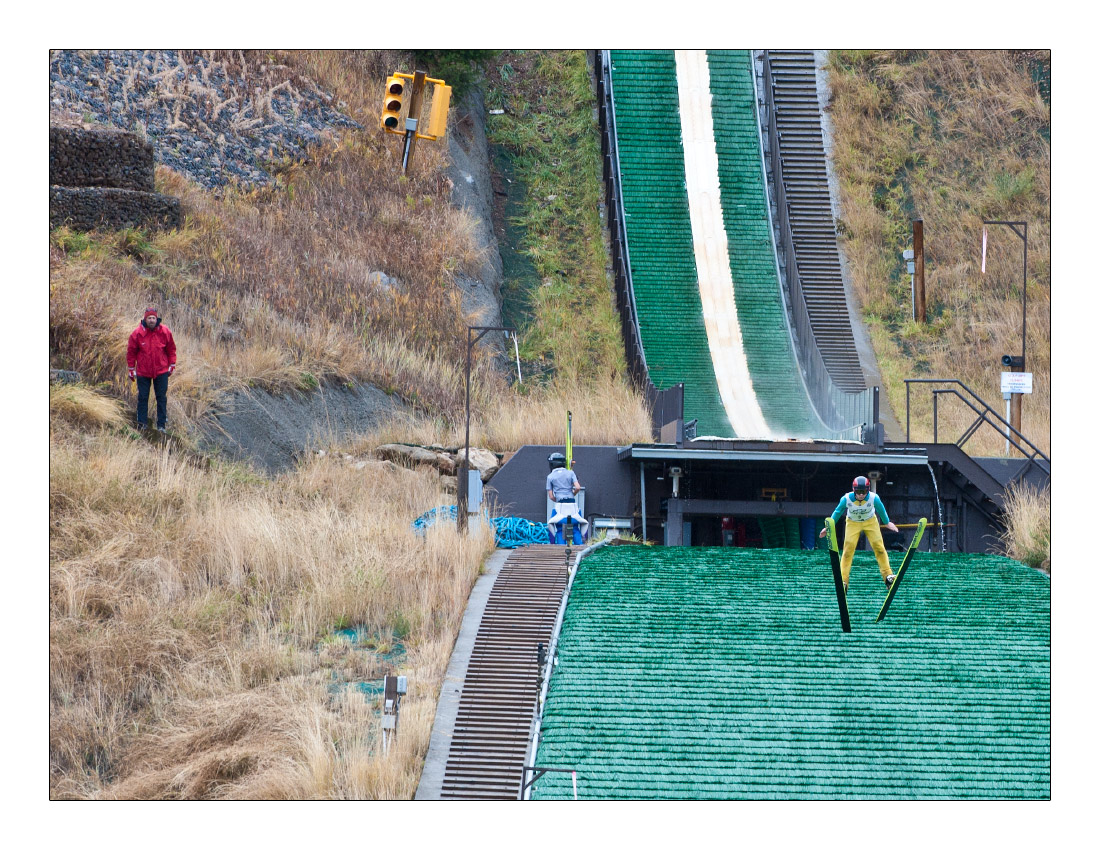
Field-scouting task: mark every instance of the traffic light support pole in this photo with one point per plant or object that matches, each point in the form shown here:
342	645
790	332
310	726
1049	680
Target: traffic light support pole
416	103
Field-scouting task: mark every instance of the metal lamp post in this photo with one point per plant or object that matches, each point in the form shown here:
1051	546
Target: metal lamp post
1021	365
464	474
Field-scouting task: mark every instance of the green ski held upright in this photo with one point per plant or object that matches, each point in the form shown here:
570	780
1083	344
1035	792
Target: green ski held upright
921	524
834	558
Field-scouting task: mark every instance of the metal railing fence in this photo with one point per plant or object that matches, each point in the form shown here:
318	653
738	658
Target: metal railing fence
986	415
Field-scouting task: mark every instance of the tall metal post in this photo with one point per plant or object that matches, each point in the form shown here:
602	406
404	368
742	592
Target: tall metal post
464	472
412	123
1018	398
919	313
1016	407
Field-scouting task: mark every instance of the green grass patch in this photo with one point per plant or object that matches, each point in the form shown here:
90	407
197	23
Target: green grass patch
551	142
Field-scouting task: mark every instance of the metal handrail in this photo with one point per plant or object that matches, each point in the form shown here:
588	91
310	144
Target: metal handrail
985	411
616	221
838	408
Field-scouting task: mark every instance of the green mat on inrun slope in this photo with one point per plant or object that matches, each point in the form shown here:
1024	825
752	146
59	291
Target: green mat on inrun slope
658	227
696	673
761	313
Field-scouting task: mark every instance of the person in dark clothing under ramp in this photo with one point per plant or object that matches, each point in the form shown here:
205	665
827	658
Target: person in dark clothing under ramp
562	487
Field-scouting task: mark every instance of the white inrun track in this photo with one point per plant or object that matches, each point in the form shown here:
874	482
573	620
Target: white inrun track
712	261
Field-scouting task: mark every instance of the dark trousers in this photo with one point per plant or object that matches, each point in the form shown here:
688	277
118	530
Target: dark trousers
160	388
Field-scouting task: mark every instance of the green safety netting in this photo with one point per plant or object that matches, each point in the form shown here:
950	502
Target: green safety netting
761	312
666	287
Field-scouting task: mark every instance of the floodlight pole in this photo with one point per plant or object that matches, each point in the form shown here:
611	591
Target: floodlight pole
464	472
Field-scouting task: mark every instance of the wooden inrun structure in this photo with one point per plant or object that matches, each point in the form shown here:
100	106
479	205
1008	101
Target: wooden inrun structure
501	688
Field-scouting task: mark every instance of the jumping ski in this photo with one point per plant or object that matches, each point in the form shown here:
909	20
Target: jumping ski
834	557
901	570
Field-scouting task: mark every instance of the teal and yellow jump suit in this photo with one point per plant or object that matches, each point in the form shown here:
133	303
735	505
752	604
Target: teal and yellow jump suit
862	517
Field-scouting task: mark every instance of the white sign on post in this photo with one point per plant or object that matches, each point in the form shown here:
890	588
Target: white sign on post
1015	382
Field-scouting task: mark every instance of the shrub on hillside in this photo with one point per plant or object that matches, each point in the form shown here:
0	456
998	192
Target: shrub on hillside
1026	534
460	69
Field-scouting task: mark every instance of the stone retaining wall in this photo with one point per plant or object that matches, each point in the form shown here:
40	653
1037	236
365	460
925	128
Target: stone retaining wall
103	178
108	158
92	207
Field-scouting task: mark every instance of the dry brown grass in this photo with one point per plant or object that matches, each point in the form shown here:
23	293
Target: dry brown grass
604	413
84	406
1026	534
188	604
192	603
954	137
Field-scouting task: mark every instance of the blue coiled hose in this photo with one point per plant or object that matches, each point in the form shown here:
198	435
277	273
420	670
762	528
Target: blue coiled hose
511	532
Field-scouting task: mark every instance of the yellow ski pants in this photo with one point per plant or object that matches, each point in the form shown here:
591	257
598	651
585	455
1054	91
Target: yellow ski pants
852	530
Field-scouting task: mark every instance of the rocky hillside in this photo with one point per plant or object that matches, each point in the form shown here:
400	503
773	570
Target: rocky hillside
212	116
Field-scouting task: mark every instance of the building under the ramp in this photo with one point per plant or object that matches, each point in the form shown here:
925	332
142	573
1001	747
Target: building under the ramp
770	494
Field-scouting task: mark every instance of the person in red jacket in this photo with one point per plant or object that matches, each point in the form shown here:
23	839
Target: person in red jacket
151	358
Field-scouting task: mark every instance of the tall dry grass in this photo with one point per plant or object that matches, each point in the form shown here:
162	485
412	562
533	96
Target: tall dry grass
605	412
82	405
1026	532
189	609
953	137
192	604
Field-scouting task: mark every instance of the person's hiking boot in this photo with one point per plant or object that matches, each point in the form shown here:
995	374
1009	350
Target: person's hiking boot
889	579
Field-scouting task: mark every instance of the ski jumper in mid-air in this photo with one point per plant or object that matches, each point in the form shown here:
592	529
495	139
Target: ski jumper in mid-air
864	511
562	487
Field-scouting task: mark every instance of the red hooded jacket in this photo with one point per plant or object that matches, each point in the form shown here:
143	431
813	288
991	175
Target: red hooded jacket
151	352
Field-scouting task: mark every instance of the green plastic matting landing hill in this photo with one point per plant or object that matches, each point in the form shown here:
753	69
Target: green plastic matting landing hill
696	673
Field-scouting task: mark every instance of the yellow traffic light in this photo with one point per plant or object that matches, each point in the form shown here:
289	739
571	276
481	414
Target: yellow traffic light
391	104
441	101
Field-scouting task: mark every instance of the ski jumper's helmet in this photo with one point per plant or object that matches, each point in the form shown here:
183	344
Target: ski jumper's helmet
557	460
860	486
